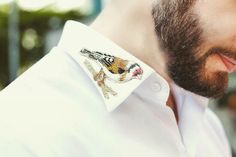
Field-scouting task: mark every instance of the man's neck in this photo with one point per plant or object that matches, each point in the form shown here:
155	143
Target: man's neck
130	25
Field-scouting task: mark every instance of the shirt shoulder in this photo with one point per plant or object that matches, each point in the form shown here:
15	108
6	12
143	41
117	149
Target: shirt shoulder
213	121
54	78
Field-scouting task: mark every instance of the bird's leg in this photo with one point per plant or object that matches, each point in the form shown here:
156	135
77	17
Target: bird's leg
99	76
110	90
101	82
104	91
100	79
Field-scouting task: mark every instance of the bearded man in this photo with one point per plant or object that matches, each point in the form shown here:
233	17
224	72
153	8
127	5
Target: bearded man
135	83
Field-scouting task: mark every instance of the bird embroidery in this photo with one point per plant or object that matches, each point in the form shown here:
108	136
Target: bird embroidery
112	68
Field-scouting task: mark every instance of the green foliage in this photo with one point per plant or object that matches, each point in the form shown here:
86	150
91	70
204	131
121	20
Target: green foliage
34	26
3	47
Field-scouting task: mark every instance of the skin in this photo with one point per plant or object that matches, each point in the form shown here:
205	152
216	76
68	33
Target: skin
216	19
218	22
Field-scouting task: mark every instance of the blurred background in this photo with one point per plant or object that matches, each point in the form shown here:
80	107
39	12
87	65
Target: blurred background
30	28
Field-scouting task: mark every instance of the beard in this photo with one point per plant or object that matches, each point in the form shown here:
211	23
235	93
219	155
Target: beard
180	36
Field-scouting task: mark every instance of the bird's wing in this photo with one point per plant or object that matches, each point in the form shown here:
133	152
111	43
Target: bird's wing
122	64
118	66
106	60
113	64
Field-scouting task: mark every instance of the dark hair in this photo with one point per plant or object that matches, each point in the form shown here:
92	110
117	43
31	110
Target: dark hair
172	16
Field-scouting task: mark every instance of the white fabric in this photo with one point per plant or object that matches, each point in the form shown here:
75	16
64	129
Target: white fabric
56	109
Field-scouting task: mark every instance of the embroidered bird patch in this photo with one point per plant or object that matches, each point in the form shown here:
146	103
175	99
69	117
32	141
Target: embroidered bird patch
112	68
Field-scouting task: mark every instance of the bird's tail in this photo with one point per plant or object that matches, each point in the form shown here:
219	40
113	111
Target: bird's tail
90	54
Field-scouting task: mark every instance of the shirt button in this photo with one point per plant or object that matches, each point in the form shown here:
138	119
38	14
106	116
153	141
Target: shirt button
156	87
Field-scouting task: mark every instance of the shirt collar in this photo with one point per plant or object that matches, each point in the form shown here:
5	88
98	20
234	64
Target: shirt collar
77	37
181	95
191	110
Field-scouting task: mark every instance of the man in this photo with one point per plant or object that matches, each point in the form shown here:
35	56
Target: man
136	84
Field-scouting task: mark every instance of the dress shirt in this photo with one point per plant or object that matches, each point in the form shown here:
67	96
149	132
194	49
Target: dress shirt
57	109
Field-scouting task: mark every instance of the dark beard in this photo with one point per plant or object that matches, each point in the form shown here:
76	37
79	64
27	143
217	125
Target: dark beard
180	36
189	73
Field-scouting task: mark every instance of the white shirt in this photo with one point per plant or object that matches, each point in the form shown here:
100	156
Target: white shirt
56	109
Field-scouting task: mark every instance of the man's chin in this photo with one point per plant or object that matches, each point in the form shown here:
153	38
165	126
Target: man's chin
214	87
211	92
